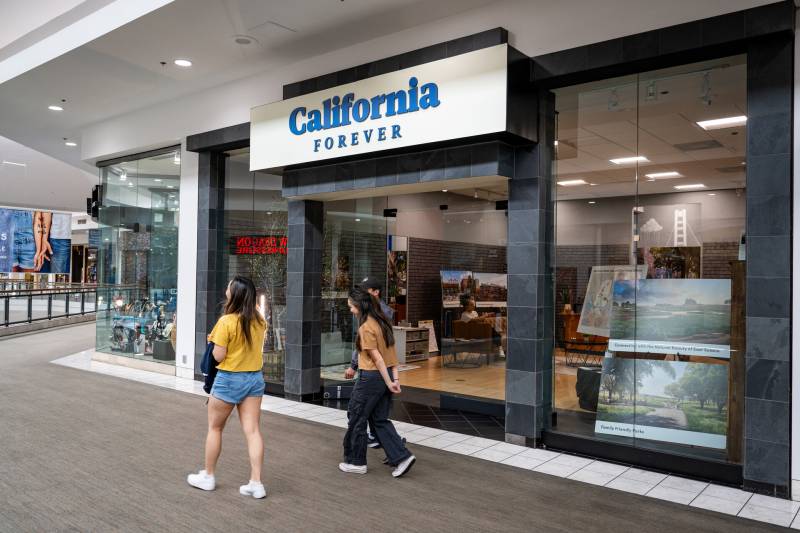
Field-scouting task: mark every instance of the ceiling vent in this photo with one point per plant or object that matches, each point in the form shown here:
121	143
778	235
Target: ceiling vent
699	145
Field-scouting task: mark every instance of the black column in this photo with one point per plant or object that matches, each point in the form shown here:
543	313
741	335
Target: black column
210	247
529	364
767	436
303	299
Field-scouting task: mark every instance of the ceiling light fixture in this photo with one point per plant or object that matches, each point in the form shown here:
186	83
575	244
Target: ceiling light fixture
183	63
70	143
664	175
123	176
55	108
689	187
444	190
177	158
721	123
158	180
592	202
629	160
712	194
358	220
572	183
15	164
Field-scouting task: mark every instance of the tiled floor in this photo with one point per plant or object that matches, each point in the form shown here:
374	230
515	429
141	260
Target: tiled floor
651	484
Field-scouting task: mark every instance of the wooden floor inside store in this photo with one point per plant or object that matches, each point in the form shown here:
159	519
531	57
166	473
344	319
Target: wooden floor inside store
483	381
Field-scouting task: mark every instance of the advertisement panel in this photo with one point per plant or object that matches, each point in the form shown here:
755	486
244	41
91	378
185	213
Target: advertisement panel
669	401
35	241
452	98
672	316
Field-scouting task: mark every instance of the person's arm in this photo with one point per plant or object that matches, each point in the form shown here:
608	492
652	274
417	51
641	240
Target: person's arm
380	364
42	222
219	352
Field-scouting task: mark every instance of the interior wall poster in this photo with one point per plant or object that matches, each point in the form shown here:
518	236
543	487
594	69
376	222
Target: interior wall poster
670	401
455	284
596	311
491	290
33	241
672	316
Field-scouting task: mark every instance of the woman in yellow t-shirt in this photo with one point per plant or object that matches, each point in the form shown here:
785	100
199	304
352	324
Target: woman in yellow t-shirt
238	339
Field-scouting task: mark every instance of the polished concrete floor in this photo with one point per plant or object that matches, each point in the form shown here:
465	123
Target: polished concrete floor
88	452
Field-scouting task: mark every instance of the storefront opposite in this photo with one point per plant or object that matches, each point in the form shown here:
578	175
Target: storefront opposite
528	168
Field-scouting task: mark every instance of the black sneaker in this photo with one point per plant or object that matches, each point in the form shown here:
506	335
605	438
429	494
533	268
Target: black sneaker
373	443
404	466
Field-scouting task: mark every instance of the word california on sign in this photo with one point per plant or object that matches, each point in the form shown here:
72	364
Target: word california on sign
337	112
457	97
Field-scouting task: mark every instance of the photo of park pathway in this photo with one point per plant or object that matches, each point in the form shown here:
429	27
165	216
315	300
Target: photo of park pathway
664	394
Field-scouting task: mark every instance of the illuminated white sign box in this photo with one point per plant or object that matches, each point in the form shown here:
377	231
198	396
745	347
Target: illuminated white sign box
462	96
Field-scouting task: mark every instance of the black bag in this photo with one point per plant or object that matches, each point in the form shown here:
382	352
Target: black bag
208	367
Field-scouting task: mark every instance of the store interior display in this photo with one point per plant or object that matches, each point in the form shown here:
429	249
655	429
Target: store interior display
649	291
136	248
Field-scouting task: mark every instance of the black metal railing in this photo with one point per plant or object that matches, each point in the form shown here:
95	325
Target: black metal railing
24	302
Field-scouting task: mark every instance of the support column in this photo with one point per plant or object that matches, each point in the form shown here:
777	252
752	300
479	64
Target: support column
187	267
529	364
210	247
303	300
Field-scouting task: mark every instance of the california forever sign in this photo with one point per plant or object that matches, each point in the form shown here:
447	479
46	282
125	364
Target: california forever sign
452	98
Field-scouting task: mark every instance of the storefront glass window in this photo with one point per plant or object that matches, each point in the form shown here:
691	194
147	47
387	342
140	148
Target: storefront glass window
441	260
138	258
256	231
650	255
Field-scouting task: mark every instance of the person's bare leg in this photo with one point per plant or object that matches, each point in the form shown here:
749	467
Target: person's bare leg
250	416
218	412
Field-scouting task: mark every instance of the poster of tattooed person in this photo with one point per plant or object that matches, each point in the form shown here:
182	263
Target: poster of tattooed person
35	241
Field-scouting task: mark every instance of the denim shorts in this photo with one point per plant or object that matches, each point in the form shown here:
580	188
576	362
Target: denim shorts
234	387
24	249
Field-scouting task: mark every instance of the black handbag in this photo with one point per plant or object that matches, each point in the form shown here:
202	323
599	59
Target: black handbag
208	367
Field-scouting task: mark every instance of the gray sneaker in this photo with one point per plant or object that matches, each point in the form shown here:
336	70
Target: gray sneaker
404	466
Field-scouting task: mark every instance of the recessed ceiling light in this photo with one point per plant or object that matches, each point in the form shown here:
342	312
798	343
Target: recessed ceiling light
712	194
269	212
183	62
15	164
123	176
691	186
158	180
592	202
55	108
725	122
629	160
71	143
170	186
592	184
444	190
664	175
130	184
358	220
572	183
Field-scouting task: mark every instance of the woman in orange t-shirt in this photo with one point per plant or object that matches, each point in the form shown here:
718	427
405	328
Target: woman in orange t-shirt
372	398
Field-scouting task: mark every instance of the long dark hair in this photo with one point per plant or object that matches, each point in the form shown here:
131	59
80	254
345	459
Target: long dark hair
368	306
243	303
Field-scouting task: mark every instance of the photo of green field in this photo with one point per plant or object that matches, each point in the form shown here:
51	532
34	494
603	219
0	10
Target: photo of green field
695	311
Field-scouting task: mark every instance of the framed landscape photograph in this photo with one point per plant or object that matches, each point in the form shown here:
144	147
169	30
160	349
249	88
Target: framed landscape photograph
670	401
672	316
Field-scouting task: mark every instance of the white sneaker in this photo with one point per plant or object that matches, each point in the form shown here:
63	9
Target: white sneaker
255	489
404	466
353	469
202	480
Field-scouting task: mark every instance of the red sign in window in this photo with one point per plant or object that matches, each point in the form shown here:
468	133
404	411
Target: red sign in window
258	245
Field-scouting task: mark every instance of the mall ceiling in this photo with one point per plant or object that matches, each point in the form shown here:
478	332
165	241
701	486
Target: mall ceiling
121	71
